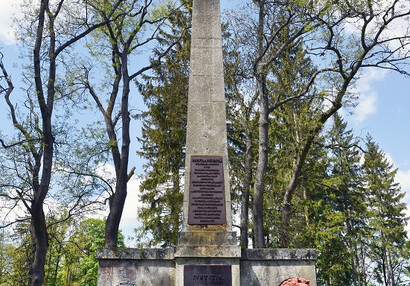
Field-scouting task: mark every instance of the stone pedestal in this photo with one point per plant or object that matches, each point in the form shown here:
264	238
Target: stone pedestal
213	256
160	267
208	247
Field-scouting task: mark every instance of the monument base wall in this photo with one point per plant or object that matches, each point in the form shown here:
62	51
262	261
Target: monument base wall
160	267
132	267
260	267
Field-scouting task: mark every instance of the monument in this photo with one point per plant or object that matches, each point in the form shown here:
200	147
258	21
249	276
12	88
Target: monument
207	252
207	241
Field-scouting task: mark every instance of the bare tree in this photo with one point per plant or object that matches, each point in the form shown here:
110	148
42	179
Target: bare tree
56	27
138	28
268	49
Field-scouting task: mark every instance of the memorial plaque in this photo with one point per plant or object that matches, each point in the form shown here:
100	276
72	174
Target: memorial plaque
207	191
207	275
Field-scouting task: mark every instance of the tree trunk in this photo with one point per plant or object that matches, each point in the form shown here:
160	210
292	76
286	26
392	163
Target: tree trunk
390	273
261	168
363	263
114	217
389	278
118	199
41	185
39	233
38	223
260	175
246	189
287	199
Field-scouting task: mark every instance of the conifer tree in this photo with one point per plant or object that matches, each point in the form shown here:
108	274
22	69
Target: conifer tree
165	93
291	124
343	199
387	219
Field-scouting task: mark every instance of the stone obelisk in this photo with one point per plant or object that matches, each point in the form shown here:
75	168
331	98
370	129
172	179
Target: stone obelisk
206	126
207	245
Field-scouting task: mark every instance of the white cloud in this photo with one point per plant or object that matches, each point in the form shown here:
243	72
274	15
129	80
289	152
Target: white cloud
365	108
8	9
10	211
105	170
367	95
389	158
395	29
398	27
403	177
407	228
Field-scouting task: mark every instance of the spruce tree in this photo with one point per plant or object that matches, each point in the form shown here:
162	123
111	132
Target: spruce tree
387	209
291	122
344	199
165	93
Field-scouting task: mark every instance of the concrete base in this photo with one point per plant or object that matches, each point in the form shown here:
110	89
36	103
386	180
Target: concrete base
181	262
132	267
227	254
260	267
159	267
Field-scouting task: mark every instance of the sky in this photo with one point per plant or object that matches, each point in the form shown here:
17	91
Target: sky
383	112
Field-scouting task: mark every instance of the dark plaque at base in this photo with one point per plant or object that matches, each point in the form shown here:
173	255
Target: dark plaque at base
207	275
206	191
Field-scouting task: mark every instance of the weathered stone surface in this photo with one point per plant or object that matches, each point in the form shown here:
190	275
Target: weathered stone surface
214	237
279	254
273	266
121	272
206	125
209	91
136	253
132	267
214	251
275	272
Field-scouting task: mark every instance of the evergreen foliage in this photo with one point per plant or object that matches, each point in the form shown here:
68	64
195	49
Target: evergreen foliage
387	237
341	205
165	93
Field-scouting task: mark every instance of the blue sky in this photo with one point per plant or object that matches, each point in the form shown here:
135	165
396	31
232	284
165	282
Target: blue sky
384	113
383	110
